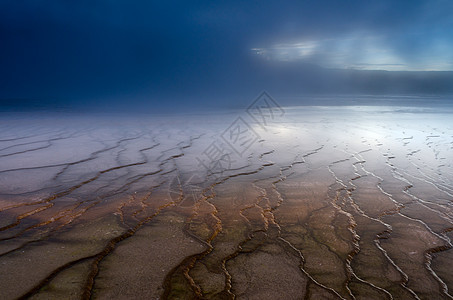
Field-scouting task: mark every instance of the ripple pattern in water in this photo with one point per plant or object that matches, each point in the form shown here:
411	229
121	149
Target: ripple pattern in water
323	203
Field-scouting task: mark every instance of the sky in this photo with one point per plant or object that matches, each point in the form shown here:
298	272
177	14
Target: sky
208	53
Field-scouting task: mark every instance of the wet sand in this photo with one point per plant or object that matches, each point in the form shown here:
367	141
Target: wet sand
319	203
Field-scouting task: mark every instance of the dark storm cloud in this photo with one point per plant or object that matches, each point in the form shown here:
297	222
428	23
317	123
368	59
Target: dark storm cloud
153	50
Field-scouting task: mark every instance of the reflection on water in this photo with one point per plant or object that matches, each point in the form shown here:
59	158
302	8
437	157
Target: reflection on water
325	202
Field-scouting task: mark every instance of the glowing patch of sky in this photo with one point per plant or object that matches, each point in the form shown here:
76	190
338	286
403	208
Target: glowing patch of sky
360	52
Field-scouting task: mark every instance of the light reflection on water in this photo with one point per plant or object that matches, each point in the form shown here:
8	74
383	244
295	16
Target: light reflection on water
336	201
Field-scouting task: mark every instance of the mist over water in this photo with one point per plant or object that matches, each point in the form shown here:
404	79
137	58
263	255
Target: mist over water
172	55
226	150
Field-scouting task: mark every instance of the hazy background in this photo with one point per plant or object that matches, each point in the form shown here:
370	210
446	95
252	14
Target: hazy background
164	55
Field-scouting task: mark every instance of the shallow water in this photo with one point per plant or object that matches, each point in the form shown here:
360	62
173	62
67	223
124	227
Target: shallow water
316	203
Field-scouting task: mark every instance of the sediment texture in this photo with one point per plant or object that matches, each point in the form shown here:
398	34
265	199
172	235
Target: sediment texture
328	203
